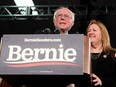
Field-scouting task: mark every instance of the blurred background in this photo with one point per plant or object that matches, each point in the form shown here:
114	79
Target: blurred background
33	16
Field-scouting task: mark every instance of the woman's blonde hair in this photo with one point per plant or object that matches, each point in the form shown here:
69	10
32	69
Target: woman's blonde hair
105	36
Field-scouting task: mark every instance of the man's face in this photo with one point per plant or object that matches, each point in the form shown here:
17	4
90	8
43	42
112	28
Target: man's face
63	19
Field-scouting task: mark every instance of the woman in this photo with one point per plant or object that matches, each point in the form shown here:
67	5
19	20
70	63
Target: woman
102	54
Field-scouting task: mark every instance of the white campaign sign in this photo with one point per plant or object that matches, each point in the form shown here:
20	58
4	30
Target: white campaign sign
42	54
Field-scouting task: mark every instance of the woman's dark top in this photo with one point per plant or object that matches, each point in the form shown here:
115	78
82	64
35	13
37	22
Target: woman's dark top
104	66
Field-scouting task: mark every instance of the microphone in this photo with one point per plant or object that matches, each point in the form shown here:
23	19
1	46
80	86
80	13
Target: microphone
56	31
46	31
77	32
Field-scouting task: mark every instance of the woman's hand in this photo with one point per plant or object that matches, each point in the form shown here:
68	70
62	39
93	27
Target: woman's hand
96	80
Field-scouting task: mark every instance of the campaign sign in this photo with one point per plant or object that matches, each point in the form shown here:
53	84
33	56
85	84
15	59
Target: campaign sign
42	54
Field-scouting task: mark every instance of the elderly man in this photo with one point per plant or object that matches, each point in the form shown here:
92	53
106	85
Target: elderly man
63	20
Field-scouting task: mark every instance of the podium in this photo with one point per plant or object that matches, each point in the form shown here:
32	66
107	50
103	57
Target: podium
47	60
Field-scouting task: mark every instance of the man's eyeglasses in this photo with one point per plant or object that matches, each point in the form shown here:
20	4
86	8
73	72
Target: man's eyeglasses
63	15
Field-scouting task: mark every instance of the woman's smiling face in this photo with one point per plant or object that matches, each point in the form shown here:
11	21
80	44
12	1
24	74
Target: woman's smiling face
94	33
